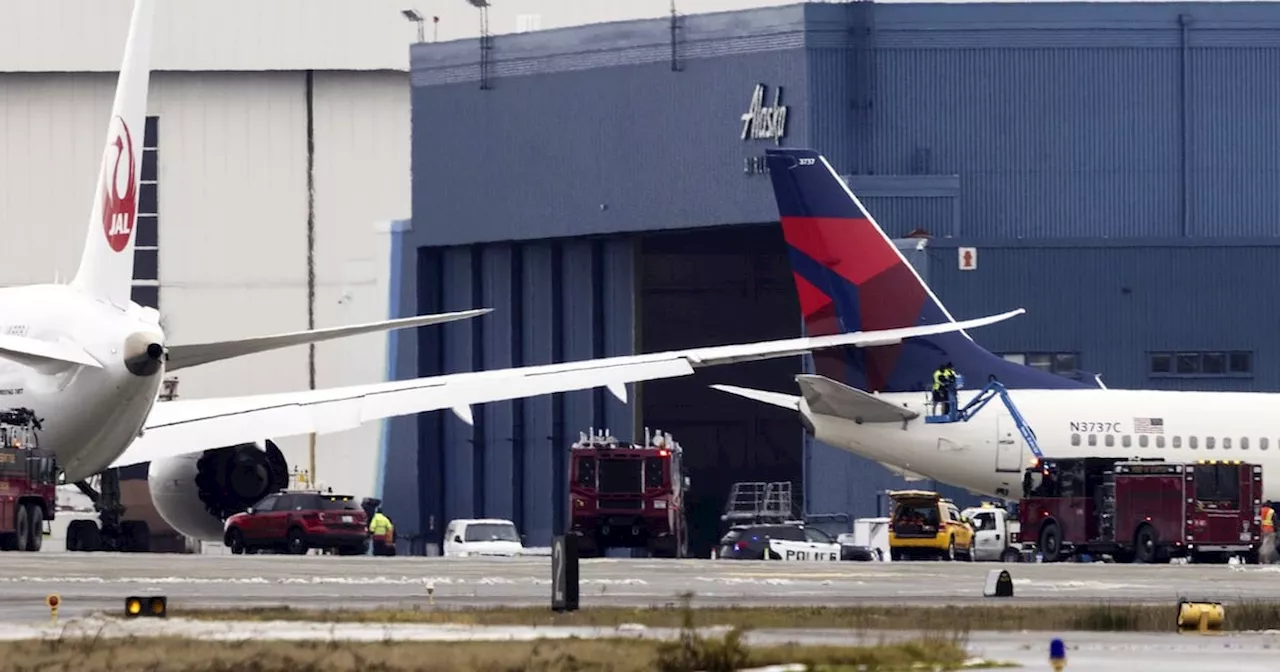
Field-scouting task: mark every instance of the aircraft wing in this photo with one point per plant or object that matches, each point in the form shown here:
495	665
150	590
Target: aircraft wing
183	356
193	425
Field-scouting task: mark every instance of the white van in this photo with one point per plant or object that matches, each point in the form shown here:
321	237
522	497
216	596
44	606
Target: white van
482	536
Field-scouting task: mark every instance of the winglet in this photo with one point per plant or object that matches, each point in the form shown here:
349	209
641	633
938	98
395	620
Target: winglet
790	402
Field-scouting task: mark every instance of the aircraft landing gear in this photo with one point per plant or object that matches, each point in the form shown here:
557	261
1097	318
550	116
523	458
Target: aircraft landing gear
125	536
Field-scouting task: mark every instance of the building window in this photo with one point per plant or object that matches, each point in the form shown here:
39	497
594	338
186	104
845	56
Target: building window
1201	364
146	250
1061	363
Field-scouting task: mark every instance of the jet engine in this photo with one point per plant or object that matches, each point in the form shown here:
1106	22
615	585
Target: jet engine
196	493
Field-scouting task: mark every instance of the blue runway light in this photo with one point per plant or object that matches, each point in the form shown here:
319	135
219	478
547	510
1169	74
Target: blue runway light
1057	654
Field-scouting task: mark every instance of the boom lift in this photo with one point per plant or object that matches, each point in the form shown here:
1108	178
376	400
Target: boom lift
957	414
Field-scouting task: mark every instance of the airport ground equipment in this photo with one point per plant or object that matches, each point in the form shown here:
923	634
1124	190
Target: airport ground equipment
1143	510
28	482
628	494
957	413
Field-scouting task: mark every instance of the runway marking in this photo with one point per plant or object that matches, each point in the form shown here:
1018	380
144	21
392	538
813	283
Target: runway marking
317	580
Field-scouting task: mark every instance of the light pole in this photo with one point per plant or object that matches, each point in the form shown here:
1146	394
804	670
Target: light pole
416	17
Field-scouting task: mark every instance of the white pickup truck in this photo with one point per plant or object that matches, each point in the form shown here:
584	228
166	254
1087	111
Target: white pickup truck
995	534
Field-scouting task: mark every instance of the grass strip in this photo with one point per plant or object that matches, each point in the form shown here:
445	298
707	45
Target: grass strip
1097	617
90	654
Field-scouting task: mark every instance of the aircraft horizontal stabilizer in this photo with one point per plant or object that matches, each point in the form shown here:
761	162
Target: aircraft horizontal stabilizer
828	397
790	402
183	356
21	347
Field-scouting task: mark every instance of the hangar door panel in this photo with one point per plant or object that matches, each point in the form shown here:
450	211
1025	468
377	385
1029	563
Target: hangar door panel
712	287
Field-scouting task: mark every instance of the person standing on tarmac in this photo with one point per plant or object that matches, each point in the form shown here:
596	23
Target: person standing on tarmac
1267	550
383	533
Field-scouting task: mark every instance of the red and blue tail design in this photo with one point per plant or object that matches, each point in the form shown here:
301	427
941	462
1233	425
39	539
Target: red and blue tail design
851	277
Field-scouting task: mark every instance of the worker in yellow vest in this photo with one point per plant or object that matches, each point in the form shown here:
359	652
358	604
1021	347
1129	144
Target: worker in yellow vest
1267	553
383	534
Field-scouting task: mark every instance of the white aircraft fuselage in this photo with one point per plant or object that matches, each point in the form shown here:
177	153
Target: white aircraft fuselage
987	454
92	414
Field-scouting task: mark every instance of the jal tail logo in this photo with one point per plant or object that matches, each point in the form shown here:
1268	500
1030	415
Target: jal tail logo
119	189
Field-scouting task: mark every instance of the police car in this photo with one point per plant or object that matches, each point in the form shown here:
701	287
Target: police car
789	542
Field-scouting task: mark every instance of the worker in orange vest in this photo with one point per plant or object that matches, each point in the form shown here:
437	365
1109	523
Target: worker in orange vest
1267	553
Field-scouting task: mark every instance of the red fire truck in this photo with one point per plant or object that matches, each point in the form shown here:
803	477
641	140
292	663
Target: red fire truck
28	482
628	495
1142	510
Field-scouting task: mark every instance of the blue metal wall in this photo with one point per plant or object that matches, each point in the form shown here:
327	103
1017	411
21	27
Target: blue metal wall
1115	301
991	123
1068	119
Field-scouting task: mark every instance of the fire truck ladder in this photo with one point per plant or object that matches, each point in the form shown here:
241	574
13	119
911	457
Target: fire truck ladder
958	414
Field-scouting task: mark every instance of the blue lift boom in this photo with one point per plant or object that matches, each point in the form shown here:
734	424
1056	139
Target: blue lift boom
957	414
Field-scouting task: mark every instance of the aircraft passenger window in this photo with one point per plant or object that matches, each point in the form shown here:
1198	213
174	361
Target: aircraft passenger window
1111	440
1093	439
1262	443
1075	439
1191	442
1244	443
1126	440
1208	443
1177	442
1226	443
1142	441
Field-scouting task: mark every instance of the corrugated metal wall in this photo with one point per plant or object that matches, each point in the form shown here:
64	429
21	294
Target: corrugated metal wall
1114	301
553	301
583	134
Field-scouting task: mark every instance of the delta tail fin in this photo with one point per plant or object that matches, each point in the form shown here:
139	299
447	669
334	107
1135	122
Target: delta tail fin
106	265
851	277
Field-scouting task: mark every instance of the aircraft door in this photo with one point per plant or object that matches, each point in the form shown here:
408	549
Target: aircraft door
1010	446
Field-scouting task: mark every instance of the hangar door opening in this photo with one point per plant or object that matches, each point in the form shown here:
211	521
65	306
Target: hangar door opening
718	286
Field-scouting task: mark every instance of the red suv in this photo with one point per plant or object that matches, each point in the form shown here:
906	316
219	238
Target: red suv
295	521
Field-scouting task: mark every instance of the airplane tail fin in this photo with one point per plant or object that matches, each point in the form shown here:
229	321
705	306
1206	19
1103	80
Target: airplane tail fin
106	265
851	277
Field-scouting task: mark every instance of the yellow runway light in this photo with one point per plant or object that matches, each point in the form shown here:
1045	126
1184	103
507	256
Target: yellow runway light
1202	617
146	606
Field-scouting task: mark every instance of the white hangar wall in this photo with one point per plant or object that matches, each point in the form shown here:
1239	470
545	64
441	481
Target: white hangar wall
233	213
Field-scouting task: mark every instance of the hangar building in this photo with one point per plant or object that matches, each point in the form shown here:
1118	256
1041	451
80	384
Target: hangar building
249	105
1108	164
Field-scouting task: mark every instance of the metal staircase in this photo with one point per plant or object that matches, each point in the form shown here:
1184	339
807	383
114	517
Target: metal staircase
993	389
760	502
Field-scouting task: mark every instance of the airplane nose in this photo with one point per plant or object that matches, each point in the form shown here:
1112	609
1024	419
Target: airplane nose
143	354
